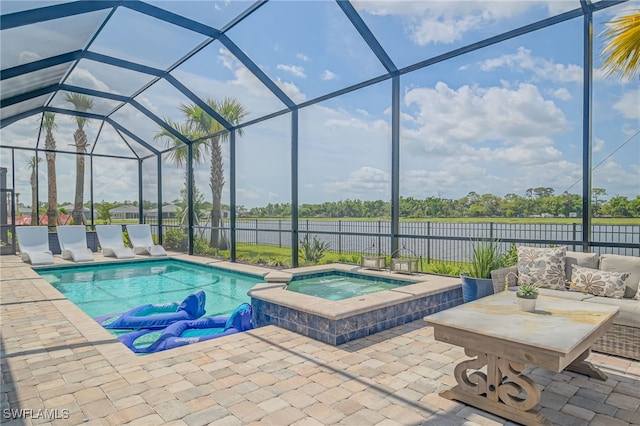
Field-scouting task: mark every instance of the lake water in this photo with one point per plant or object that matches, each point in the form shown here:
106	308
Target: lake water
436	240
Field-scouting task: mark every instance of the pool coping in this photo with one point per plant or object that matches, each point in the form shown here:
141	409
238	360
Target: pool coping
423	285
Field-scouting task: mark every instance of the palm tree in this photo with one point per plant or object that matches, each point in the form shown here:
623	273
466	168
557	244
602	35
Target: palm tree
81	103
32	165
622	49
232	111
49	125
179	154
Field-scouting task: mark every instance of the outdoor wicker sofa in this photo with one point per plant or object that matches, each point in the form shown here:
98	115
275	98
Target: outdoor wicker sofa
623	338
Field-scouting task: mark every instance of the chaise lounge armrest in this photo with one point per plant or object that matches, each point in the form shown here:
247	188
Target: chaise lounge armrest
502	276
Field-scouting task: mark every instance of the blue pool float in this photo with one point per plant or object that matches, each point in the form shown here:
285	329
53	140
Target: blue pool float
155	316
183	333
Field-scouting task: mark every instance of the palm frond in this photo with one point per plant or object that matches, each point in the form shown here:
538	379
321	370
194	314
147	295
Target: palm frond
621	54
81	103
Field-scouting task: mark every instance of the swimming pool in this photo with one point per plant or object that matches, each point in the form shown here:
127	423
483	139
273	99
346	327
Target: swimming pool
339	285
100	289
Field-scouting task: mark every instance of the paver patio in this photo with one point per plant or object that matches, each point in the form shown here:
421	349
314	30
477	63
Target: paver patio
55	358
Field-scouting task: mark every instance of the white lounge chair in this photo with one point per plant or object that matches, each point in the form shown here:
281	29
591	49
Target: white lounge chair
34	244
73	243
110	238
142	242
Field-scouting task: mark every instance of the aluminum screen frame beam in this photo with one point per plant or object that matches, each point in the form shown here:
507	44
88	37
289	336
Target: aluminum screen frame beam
29	95
40	64
367	35
295	231
587	102
232	193
133	102
215	34
48	13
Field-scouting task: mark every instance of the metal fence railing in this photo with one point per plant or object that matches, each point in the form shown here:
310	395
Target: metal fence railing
432	241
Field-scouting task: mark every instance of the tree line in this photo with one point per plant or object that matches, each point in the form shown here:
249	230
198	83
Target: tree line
537	202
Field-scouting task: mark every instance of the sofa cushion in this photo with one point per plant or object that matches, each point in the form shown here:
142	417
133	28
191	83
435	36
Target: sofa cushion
619	263
565	294
629	313
598	282
542	266
588	260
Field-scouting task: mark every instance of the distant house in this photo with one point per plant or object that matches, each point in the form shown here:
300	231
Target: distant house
168	211
85	212
125	212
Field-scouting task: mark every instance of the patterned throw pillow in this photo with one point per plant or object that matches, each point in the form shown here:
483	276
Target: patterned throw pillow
542	266
637	293
599	283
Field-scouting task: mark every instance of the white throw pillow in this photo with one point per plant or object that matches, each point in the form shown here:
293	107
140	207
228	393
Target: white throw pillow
542	266
599	283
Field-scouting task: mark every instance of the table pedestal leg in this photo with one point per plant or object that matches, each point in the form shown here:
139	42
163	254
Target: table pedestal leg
503	390
585	367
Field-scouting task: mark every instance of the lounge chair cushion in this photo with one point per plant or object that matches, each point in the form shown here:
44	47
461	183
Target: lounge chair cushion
628	264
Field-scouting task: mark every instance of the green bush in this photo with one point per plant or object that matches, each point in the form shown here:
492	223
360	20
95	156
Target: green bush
445	269
312	251
349	258
201	246
486	257
510	257
175	239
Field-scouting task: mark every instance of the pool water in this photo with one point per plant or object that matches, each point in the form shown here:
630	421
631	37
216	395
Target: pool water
118	287
341	285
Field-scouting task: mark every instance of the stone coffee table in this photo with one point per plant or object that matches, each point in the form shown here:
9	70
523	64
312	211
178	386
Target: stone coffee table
503	339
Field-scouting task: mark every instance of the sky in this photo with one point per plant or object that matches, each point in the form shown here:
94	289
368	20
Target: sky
497	120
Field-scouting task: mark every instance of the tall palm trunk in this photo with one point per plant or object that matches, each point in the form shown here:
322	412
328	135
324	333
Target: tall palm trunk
216	182
80	139
52	186
34	197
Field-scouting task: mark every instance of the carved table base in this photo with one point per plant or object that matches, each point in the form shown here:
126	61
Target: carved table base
504	390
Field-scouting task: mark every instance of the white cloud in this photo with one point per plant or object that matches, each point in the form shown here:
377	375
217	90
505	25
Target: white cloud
84	78
612	174
562	94
303	57
489	140
629	105
243	77
294	70
445	22
328	75
291	90
541	68
474	115
364	180
598	145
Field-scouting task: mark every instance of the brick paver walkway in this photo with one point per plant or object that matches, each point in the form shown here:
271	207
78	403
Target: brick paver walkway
54	358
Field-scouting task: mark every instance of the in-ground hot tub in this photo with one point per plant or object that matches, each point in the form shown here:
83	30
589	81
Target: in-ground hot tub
340	321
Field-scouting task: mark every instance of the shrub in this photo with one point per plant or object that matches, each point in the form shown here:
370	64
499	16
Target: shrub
445	269
510	257
201	246
486	257
312	251
175	239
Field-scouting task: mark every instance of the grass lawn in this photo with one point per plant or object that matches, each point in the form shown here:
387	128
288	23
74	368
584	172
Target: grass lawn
281	257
